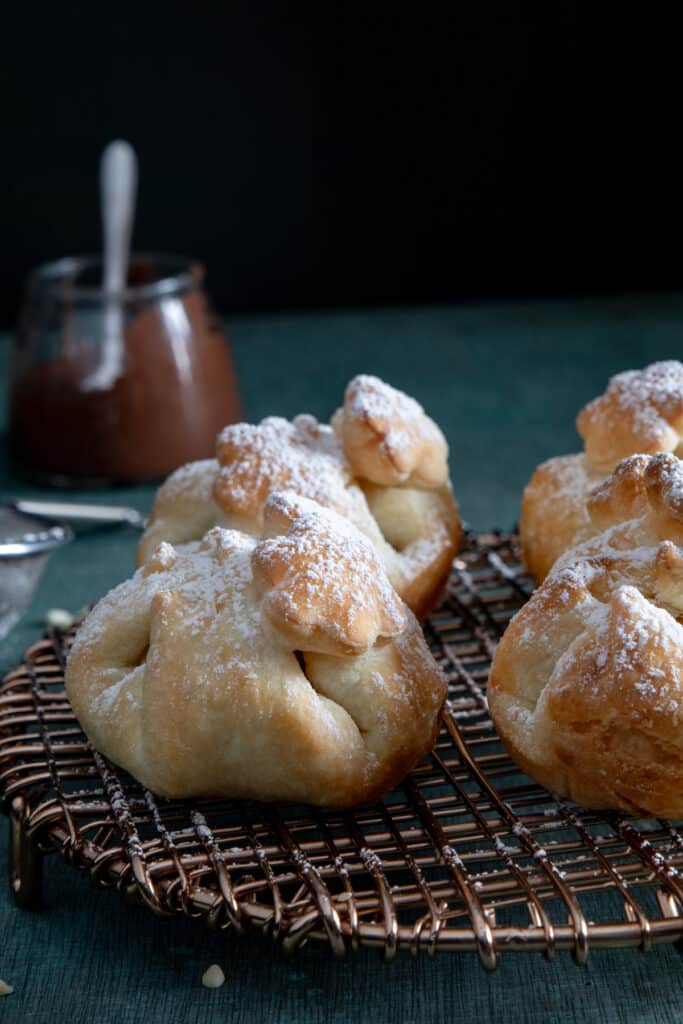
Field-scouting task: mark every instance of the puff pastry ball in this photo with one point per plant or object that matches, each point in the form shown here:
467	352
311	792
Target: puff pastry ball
586	686
640	412
382	464
285	668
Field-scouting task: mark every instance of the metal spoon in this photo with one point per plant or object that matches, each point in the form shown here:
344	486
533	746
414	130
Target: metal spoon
118	187
80	512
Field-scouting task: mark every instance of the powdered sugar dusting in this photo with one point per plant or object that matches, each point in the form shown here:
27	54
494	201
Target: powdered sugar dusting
165	555
325	565
570	479
197	477
423	551
648	645
648	398
399	416
669	471
304	456
203	573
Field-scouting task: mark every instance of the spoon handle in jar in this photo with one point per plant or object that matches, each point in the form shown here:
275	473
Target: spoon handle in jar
118	186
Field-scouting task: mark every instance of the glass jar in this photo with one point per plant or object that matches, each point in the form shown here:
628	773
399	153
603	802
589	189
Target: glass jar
117	387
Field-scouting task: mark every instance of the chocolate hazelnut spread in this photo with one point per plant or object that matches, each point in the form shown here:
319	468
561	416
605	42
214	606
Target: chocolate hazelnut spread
175	391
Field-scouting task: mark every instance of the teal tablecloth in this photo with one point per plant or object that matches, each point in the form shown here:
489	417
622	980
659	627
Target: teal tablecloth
505	383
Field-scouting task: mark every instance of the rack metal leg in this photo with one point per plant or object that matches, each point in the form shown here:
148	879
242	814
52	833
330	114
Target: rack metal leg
25	860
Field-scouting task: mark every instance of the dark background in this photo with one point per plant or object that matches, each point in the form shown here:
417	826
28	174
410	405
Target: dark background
333	154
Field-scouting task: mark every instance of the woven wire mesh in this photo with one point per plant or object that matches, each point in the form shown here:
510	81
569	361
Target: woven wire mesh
467	854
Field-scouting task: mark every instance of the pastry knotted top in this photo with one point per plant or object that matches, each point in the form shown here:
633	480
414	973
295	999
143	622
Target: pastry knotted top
641	411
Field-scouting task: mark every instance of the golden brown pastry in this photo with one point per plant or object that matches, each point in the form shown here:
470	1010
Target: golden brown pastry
586	687
382	464
640	412
285	668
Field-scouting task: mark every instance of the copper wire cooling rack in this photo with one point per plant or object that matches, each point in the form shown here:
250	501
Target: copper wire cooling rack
468	854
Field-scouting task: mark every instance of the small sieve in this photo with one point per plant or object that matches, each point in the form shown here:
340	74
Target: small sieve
25	545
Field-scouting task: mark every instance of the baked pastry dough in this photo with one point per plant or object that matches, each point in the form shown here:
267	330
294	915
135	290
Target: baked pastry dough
285	668
383	464
640	412
586	688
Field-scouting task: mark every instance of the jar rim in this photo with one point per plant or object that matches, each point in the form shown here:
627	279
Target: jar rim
176	273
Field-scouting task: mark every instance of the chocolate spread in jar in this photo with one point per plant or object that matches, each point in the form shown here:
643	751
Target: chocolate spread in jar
177	389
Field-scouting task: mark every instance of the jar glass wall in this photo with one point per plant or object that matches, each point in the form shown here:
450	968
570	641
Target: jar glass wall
117	387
